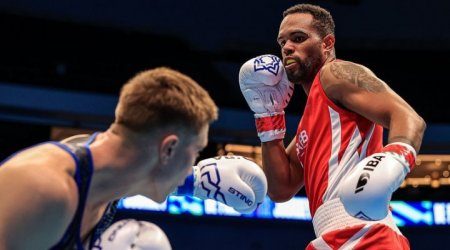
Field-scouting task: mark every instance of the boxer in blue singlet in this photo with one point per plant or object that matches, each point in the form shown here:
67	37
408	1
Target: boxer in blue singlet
61	195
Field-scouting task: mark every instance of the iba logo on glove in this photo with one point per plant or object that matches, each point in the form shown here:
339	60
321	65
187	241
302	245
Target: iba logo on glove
365	176
269	63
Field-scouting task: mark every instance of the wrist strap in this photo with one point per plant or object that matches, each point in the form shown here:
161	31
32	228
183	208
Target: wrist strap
187	188
270	126
405	151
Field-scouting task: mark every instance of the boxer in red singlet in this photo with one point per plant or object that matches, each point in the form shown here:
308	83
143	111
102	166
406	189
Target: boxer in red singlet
338	153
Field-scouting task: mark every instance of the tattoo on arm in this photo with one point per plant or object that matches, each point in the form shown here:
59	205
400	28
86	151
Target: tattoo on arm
357	75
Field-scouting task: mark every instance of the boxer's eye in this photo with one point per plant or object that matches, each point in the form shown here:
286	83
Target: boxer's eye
299	39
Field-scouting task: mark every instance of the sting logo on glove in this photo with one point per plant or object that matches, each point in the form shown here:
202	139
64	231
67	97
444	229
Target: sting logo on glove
267	62
211	184
232	180
241	196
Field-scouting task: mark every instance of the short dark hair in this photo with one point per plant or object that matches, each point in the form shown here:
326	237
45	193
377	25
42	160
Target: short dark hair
323	21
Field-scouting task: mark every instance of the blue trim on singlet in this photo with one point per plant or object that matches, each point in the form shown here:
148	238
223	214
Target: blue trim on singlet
78	216
81	200
77	178
66	148
90	140
77	219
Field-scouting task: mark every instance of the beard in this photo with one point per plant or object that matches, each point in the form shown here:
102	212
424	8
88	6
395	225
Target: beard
306	70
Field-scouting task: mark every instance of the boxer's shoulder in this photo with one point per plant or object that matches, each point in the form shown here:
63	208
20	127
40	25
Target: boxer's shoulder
44	214
46	169
43	198
43	157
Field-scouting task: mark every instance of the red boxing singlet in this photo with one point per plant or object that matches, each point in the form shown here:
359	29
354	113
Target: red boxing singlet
330	142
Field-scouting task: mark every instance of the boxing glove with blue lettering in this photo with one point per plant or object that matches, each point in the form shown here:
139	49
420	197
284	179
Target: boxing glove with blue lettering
232	180
133	234
265	87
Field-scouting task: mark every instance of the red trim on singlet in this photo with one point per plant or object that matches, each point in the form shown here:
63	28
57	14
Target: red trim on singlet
377	237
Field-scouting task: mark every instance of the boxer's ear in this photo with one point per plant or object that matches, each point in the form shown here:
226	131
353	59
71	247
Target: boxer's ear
328	42
168	147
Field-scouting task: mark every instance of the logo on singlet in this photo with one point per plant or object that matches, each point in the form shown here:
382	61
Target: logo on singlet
302	142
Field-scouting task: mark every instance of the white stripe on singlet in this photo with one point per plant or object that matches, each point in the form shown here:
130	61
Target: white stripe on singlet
338	170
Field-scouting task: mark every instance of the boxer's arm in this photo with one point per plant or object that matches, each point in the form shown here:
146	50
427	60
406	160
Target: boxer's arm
366	191
283	170
33	210
356	88
267	90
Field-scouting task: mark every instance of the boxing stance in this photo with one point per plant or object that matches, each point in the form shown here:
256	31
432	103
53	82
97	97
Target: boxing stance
61	194
337	153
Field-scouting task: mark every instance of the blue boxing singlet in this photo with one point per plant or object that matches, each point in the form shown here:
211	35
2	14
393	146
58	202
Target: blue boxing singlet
78	147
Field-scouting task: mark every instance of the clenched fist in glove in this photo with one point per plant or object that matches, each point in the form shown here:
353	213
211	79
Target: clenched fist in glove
232	180
264	84
367	191
133	235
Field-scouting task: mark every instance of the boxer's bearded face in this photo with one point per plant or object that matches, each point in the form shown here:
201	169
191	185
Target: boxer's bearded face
301	48
306	68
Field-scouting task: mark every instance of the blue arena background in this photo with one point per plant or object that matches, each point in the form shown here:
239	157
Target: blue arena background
406	213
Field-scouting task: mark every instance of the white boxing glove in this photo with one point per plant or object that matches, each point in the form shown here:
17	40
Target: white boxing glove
264	84
133	235
232	180
367	191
